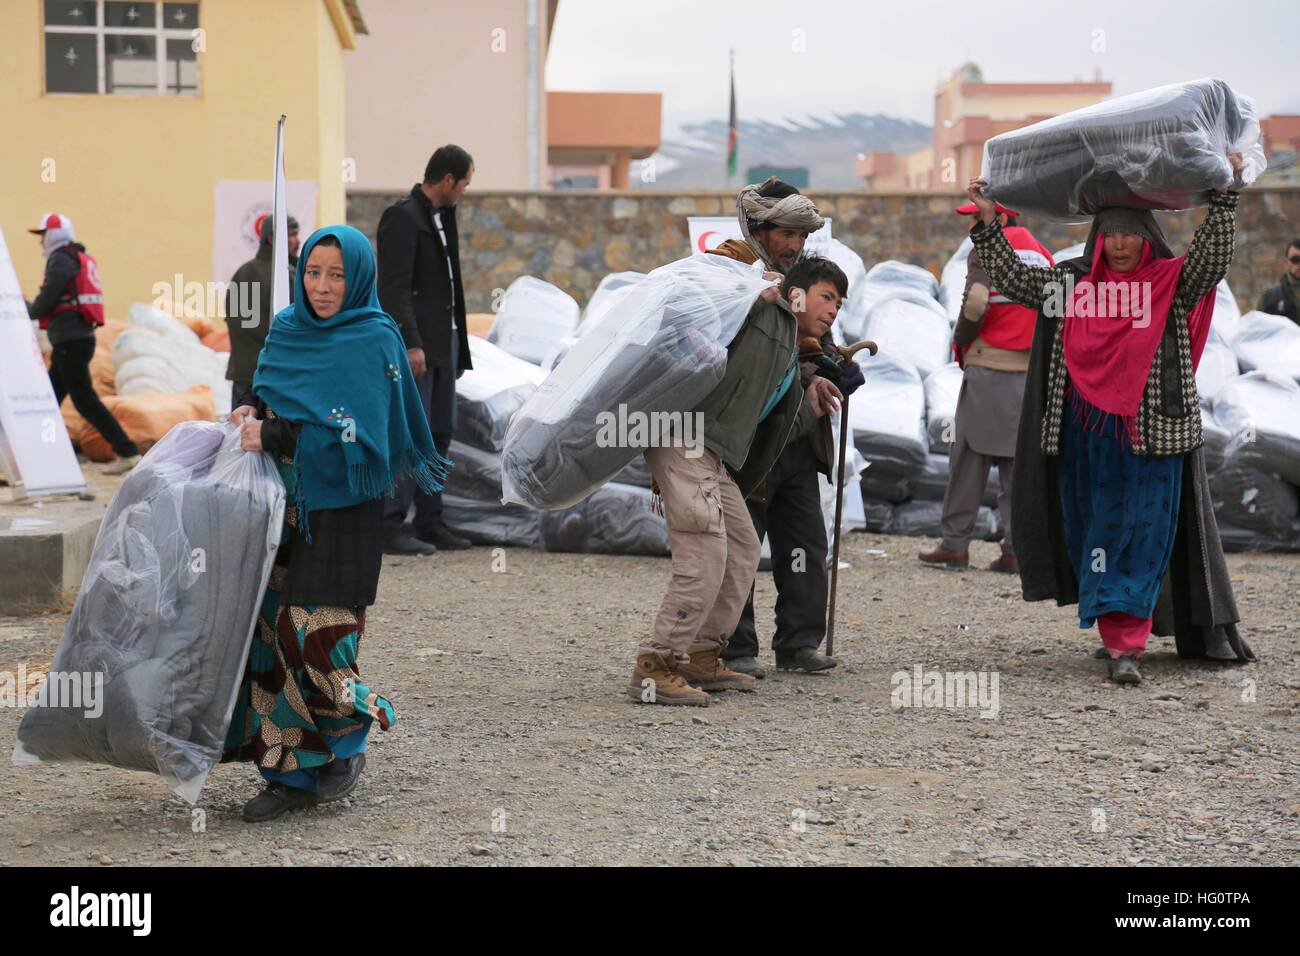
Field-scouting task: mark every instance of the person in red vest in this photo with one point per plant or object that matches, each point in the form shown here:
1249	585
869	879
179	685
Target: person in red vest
69	307
991	343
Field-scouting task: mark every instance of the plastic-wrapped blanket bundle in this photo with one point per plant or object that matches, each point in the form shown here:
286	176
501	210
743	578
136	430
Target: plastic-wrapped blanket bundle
892	280
660	350
932	484
1163	148
492	523
887	416
612	288
533	315
1261	412
616	519
475	472
916	332
1256	501
1218	367
162	624
1268	343
952	284
853	311
1226	320
923	517
942	388
1217	439
491	392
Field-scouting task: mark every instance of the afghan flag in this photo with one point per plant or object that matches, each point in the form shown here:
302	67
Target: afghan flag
733	132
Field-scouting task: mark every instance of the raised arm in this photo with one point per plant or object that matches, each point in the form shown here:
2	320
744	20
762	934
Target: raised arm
1210	253
1020	282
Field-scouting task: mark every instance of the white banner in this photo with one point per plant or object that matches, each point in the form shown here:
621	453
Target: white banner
34	443
709	232
241	205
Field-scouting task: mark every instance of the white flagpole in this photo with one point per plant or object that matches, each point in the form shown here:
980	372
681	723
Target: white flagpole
280	240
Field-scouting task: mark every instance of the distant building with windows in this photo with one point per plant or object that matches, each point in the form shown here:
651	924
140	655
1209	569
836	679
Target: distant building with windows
125	114
967	113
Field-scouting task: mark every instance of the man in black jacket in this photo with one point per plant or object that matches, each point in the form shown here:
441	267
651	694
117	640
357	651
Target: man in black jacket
1284	298
420	287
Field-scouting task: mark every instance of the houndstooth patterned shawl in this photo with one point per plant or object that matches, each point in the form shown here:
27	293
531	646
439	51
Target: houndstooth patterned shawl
1169	417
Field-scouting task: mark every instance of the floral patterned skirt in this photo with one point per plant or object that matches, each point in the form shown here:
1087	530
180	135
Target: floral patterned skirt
302	703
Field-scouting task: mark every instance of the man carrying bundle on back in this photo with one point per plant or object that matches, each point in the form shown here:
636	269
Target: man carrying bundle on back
748	419
787	503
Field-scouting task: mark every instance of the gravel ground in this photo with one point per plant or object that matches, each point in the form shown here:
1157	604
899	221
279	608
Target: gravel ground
516	744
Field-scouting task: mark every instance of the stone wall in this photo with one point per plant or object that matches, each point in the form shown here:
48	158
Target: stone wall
573	239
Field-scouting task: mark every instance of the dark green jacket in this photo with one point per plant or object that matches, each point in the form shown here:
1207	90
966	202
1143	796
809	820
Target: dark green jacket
757	360
250	284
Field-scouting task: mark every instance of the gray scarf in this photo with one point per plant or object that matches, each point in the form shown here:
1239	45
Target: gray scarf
792	212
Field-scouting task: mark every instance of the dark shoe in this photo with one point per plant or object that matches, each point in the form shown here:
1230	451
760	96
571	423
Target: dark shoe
339	778
1124	670
444	538
946	557
1101	653
746	665
807	659
275	801
403	543
1007	564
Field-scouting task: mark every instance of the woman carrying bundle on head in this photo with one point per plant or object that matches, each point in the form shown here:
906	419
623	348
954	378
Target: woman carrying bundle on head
1109	450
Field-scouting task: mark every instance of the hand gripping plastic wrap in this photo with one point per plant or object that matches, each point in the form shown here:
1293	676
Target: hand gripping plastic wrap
158	638
1163	148
489	393
533	315
659	351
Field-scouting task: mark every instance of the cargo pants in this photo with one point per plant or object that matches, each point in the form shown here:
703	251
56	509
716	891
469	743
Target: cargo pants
715	552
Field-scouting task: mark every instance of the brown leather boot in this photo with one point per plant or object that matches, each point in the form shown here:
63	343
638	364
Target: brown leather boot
946	556
1007	564
707	671
655	681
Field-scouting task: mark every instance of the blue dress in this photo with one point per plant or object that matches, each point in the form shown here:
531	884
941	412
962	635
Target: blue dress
1120	514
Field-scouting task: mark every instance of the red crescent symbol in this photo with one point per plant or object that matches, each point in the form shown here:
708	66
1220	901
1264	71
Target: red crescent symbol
704	236
257	225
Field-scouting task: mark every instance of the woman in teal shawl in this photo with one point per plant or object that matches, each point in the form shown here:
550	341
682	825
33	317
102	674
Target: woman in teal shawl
338	409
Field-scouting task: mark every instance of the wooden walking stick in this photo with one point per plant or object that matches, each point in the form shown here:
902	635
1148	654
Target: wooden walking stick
847	352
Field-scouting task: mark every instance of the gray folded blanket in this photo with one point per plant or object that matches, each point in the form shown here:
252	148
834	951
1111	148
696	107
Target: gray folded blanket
166	611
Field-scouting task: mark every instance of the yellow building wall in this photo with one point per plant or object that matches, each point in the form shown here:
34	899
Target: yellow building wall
136	173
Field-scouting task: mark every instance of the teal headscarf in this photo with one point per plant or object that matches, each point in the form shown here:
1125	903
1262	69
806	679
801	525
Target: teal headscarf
347	382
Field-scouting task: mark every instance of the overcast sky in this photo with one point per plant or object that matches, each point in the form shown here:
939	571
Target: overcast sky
875	57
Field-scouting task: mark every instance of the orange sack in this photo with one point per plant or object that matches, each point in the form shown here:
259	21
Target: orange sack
146	418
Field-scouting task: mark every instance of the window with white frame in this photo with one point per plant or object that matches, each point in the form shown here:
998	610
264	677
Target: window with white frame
137	47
